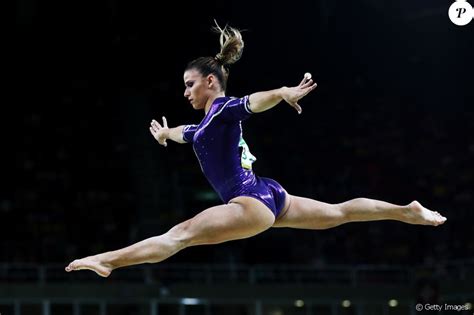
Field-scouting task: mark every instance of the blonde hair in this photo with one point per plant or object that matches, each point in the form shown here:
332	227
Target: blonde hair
231	44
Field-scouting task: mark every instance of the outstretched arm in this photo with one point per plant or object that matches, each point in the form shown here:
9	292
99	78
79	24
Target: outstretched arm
262	101
163	133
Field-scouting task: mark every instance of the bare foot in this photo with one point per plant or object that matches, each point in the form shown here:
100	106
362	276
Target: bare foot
90	263
417	214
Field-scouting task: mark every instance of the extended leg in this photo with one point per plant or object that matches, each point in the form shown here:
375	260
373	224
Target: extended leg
242	218
308	213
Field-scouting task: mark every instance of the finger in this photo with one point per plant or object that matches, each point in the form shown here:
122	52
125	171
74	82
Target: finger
165	123
306	78
298	108
162	142
302	82
156	124
309	89
153	131
307	83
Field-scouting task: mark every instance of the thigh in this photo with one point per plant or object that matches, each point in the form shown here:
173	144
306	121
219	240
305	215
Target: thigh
243	217
306	213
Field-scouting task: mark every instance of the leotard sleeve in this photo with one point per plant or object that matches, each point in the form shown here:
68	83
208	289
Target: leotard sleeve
236	109
188	133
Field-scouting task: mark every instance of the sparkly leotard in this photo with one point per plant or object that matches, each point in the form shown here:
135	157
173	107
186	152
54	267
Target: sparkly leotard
225	158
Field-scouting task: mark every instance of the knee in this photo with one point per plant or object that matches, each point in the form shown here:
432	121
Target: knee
342	211
181	234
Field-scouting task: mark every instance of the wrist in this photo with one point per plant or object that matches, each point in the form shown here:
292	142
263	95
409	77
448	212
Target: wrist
282	91
167	133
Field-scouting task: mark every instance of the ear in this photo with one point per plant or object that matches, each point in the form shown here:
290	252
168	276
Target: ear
211	80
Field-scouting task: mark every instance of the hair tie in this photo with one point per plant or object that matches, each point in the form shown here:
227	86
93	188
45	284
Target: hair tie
219	57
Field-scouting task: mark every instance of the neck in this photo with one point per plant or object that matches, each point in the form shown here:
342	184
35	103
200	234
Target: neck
211	100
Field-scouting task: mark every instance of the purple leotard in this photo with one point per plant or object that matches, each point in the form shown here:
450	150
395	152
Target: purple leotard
225	158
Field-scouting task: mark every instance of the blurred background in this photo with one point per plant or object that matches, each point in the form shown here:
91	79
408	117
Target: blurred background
391	119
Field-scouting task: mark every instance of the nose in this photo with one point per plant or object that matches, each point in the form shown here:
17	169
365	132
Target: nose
186	93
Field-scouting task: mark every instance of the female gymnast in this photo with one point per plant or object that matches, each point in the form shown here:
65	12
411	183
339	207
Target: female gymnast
251	204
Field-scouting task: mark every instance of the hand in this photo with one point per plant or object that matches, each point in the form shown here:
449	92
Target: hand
160	133
292	95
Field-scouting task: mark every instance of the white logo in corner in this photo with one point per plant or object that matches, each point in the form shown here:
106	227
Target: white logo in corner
461	12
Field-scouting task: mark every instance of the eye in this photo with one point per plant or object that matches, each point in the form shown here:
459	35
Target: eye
189	84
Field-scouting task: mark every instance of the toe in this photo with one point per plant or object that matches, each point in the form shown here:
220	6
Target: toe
71	266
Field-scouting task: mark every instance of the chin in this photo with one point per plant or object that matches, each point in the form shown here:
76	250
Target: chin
197	107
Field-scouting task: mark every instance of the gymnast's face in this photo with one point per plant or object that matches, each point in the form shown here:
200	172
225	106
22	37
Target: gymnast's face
197	88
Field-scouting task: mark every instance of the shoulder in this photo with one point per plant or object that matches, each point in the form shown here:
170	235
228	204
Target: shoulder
220	102
232	108
229	101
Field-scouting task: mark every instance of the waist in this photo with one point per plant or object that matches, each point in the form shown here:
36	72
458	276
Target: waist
232	186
